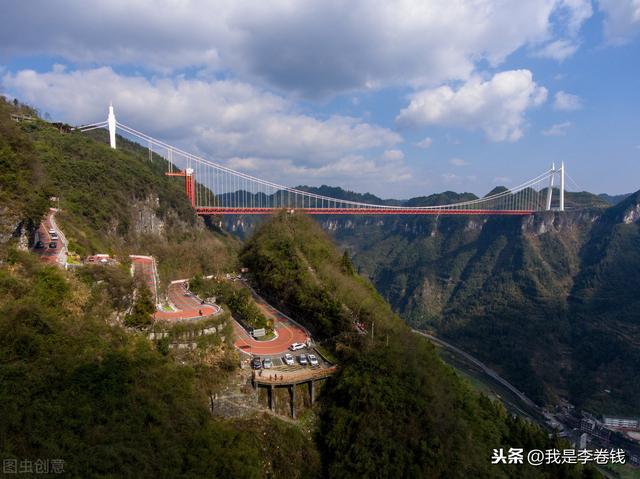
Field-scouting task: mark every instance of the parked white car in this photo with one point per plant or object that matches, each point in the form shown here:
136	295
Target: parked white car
288	360
313	360
266	363
296	346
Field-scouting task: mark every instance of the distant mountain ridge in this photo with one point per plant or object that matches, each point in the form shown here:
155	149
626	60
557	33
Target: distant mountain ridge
614	199
572	199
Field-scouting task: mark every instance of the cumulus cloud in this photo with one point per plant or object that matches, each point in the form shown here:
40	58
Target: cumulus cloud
622	19
227	120
497	106
564	101
458	162
315	48
424	144
558	129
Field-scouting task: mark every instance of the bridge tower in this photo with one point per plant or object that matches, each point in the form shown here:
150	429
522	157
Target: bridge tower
550	190
562	186
190	186
189	183
111	121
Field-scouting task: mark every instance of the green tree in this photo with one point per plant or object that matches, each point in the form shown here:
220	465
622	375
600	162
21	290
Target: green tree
141	314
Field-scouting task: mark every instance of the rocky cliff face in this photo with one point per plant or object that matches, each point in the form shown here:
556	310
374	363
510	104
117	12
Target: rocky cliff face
146	219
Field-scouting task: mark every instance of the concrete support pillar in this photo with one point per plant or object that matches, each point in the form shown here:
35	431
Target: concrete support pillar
293	401
272	397
312	392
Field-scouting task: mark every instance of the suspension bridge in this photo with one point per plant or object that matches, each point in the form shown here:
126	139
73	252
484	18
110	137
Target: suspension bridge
214	189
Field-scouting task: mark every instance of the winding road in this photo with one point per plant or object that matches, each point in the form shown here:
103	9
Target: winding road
286	329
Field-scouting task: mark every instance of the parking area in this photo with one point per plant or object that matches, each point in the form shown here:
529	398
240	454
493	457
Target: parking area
281	363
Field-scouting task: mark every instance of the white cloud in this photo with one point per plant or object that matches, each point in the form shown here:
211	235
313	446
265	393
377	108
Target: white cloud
497	106
458	162
558	129
393	155
572	14
229	121
426	143
566	102
622	19
558	49
315	47
567	19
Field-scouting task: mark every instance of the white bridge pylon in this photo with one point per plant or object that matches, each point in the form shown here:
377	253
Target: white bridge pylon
215	189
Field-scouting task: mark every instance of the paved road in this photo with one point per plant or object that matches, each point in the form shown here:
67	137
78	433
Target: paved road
187	306
288	332
49	255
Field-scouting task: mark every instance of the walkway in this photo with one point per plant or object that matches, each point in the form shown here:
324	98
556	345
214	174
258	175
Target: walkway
292	377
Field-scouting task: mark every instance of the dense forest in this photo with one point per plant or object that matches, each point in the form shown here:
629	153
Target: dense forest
546	300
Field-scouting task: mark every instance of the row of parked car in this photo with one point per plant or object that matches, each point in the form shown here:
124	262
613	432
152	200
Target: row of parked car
52	244
288	359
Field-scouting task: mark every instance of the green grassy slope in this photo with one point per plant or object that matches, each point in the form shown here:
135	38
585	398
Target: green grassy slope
23	197
112	201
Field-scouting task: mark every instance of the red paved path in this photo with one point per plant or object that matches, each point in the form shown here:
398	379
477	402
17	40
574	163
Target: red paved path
288	333
189	307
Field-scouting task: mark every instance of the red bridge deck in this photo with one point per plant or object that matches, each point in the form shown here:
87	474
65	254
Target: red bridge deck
358	211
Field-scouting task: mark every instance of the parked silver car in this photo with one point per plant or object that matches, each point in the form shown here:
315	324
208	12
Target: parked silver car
288	359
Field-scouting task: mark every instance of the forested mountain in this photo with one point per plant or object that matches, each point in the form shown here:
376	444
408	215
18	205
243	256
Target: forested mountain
548	300
394	409
77	385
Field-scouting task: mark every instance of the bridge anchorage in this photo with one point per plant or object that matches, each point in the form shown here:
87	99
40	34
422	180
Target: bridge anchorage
214	189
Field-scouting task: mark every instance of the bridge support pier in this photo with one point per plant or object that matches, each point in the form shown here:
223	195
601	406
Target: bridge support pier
272	397
312	392
293	401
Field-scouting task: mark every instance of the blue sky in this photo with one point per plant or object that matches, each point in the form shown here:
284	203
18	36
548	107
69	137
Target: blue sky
401	98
